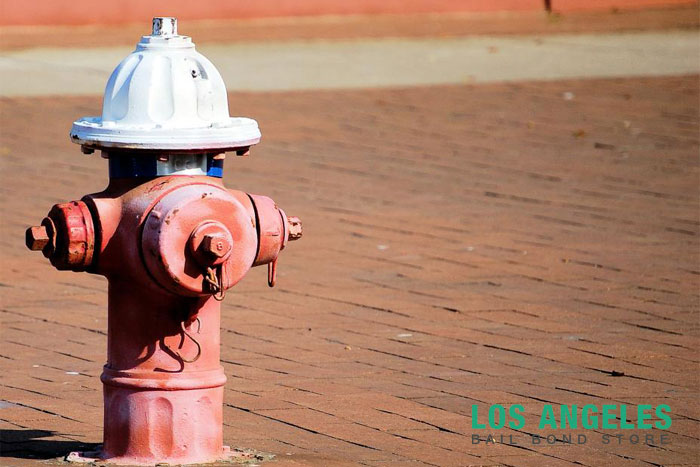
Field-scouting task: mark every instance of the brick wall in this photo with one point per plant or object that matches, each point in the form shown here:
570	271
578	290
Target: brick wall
64	12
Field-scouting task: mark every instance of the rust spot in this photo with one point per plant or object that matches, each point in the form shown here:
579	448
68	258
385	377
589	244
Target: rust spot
158	186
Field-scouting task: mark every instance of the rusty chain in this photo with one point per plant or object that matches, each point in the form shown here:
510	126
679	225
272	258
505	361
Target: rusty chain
215	280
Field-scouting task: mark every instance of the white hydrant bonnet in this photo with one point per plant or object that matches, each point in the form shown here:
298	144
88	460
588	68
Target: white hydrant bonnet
165	95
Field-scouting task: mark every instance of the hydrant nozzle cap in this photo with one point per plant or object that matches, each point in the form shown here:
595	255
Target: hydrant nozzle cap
165	96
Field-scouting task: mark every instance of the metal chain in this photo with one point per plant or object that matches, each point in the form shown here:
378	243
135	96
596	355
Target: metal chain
183	334
211	278
182	341
214	278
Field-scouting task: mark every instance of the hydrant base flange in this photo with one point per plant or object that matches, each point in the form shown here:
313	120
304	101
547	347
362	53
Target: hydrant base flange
95	457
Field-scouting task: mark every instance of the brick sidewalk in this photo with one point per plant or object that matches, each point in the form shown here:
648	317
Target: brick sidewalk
517	243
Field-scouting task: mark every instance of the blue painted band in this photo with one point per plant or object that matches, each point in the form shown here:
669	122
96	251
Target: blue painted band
132	166
123	166
215	167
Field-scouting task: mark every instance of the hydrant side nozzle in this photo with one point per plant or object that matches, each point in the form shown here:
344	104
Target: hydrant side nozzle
66	236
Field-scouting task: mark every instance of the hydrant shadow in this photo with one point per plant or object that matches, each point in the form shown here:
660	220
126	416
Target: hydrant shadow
182	332
165	348
28	444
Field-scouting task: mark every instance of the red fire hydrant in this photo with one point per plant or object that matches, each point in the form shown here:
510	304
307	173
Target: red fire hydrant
171	239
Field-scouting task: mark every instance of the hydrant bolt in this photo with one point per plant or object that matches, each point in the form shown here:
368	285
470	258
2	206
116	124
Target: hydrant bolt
37	238
216	244
211	243
295	229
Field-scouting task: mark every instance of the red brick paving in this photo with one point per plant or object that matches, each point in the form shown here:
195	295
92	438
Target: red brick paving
463	245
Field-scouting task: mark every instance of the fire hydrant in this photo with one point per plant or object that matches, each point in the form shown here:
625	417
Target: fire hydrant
170	239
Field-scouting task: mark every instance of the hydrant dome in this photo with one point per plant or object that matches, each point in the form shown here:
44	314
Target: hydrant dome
165	95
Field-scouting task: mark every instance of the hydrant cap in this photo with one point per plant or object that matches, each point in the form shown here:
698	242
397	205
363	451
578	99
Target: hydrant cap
165	95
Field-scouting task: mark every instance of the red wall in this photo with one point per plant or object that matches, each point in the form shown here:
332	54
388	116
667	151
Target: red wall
62	12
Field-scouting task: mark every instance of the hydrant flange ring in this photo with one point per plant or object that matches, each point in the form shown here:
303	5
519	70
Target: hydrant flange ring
238	132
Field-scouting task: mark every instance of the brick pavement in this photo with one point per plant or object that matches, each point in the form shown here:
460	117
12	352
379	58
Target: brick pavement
503	243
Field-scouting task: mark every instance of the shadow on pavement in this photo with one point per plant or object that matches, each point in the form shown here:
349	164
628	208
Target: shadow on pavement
28	444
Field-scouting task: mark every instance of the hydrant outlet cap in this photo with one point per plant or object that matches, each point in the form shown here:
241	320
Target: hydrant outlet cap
165	95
